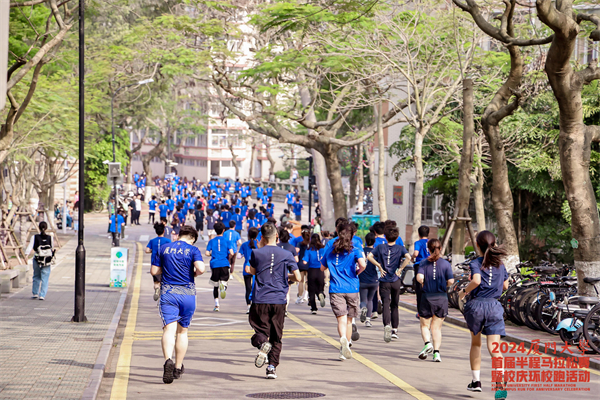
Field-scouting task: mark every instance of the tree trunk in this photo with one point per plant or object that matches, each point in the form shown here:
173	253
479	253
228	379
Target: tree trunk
353	178
252	159
360	178
464	173
419	181
479	200
334	173
381	170
574	139
234	161
371	160
270	158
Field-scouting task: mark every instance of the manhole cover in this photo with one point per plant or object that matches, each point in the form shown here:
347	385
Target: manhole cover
285	395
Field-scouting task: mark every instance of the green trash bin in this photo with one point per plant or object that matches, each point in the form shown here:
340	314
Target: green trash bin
365	221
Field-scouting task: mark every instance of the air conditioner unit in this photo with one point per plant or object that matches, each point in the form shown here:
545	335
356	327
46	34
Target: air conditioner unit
438	217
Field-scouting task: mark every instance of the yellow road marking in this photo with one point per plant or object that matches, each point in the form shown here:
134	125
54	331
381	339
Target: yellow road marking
121	382
366	362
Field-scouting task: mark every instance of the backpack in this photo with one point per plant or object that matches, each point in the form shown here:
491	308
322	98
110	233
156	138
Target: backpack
44	254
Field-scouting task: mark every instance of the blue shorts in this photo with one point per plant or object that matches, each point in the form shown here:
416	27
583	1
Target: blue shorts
177	304
485	315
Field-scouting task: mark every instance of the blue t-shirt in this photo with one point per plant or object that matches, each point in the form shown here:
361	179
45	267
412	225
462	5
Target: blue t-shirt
313	258
177	262
436	275
356	243
246	252
155	245
272	265
163	208
226	217
369	275
219	248
378	241
297	206
269	192
239	219
253	223
171	204
259	192
117	228
296	241
421	247
289	198
152	205
233	238
390	258
492	280
342	269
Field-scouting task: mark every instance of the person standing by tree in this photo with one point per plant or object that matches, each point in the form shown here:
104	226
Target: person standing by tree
273	268
483	313
341	259
435	274
43	246
180	263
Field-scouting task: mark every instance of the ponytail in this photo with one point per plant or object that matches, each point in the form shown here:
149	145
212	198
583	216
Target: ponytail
43	227
492	253
435	250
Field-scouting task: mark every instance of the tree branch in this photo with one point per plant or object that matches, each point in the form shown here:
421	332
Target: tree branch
595	34
594	132
27	3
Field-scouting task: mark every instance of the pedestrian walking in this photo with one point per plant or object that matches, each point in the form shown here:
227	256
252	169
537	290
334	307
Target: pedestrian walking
483	312
42	245
435	275
180	262
345	263
273	269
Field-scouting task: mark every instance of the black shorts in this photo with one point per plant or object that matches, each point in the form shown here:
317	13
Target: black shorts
433	304
220	274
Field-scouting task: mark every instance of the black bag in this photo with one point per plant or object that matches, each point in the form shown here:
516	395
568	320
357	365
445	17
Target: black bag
44	254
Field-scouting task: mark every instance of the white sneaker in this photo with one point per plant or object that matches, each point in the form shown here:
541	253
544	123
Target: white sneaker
387	333
345	348
298	300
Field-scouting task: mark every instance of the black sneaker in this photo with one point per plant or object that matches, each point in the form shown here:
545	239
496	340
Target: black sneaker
178	372
355	334
271	373
169	367
474	386
379	308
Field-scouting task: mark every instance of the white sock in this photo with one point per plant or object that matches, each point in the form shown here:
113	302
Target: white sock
216	302
476	375
354	321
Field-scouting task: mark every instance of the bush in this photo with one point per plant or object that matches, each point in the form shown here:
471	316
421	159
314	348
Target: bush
283	175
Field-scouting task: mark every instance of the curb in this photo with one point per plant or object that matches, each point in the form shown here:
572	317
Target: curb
594	364
91	391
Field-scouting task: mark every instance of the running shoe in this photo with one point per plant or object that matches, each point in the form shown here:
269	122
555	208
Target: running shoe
363	314
474	386
368	324
35	296
437	357
355	334
387	333
271	373
222	289
41	298
342	358
500	395
313	312
379	307
322	299
168	369
428	349
394	334
216	309
156	293
261	357
248	310
345	348
178	372
374	316
298	300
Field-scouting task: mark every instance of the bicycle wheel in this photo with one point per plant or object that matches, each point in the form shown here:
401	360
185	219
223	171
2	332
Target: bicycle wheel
524	303
547	315
591	328
530	310
508	299
98	206
514	306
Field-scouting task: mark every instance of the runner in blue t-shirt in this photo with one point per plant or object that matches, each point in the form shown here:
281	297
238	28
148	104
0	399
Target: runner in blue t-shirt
316	277
341	259
153	248
297	206
163	209
435	274
152	209
271	266
246	251
179	263
483	312
170	205
239	221
269	192
289	199
369	283
220	250
234	238
419	254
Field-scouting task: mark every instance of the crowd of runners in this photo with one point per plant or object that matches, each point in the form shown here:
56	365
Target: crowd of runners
360	276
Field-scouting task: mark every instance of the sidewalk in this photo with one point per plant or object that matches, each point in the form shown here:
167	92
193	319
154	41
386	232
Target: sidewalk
42	354
514	333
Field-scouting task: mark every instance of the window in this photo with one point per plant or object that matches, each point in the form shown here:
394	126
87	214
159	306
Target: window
136	157
226	163
428	205
188	161
218	138
202	140
190	141
201	163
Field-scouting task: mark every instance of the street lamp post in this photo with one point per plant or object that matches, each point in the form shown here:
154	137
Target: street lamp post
112	119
